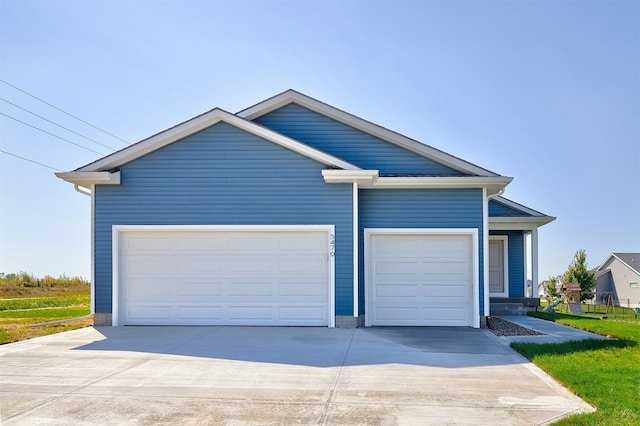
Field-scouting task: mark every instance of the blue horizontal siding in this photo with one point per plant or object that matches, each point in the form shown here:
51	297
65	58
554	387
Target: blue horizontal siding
497	209
515	258
224	176
348	143
419	208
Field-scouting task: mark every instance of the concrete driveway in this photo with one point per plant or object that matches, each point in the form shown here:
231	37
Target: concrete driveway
264	375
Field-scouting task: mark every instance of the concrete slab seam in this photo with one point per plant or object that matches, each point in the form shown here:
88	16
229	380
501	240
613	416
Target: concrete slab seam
79	388
549	381
323	420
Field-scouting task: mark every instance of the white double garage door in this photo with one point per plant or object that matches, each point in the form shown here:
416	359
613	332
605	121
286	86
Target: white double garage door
284	275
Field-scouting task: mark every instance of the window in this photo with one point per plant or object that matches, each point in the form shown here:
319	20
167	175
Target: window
633	284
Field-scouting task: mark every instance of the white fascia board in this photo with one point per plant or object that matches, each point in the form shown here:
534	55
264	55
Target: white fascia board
201	122
344	117
492	184
519	221
370	179
361	177
88	179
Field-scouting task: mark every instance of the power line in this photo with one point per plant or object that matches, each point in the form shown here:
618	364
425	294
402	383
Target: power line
64	112
51	134
56	124
31	161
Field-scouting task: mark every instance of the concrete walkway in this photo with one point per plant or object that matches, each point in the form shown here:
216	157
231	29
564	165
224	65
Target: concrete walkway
552	332
275	375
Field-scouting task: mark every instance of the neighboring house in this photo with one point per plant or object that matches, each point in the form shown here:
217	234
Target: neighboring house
619	276
293	212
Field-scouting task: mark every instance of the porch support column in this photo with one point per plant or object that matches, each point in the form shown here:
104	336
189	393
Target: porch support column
534	262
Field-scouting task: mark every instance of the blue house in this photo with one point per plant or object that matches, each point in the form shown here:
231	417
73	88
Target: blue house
294	212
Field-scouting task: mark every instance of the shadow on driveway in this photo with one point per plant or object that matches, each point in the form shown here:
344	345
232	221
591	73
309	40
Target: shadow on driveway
450	347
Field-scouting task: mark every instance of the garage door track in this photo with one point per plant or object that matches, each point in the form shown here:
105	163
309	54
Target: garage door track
275	375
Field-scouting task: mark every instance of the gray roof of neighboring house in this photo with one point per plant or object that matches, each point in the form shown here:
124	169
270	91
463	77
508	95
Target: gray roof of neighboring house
632	260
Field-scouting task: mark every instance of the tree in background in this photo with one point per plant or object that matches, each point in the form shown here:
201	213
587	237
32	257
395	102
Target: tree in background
551	288
578	273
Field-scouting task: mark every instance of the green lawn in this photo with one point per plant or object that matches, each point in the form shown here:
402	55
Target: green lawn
23	307
605	373
599	311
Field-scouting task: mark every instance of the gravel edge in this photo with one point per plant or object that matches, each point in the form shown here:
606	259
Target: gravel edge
502	327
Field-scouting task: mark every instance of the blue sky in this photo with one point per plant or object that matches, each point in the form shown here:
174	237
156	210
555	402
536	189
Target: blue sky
545	91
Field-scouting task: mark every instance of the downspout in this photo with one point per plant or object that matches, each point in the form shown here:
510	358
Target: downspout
92	302
497	194
77	188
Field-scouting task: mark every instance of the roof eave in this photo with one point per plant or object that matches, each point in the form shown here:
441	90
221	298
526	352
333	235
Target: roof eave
88	179
370	179
534	220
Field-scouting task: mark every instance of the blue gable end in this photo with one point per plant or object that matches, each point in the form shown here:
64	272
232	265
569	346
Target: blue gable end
349	143
223	175
497	209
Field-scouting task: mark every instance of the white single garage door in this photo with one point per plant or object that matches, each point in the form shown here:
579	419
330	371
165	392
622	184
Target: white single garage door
420	279
220	277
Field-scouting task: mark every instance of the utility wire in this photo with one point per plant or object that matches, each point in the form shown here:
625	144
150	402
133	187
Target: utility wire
56	124
64	112
31	161
49	133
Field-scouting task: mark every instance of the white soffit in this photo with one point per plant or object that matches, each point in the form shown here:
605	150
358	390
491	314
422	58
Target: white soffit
199	123
292	96
86	179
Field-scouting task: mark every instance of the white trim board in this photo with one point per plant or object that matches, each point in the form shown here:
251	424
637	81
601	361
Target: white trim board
117	230
472	232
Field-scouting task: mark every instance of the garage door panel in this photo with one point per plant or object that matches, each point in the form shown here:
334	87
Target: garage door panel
149	312
300	313
199	289
446	314
387	247
198	243
396	267
460	291
228	277
420	279
142	288
296	288
303	265
446	268
251	288
251	313
297	243
203	313
247	243
396	290
391	315
254	267
157	243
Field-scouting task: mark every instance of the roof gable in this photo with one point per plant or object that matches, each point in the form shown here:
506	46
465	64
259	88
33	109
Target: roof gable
199	123
351	144
291	96
630	260
503	210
